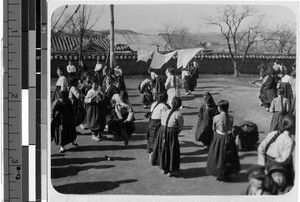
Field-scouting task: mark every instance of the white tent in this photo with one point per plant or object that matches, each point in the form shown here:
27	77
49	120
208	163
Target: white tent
184	56
159	60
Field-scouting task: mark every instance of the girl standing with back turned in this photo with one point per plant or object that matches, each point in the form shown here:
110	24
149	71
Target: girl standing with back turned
166	151
223	159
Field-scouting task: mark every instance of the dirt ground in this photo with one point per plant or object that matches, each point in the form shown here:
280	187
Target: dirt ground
85	170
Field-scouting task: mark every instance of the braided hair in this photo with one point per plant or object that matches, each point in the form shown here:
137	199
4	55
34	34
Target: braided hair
176	104
224	105
288	125
280	92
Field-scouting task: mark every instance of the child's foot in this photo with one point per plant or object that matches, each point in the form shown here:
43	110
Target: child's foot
164	172
100	135
94	137
82	126
62	150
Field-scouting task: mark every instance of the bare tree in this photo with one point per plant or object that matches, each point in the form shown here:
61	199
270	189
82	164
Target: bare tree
82	21
231	21
176	35
285	39
169	30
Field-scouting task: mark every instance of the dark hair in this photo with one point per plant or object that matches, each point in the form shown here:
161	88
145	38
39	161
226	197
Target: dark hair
208	99
73	81
176	104
59	68
95	80
123	94
162	97
224	105
289	123
172	71
63	94
280	91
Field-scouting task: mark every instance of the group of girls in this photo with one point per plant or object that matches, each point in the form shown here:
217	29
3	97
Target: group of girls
170	83
85	99
277	95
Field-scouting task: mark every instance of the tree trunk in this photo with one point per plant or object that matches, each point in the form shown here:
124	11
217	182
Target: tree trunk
235	69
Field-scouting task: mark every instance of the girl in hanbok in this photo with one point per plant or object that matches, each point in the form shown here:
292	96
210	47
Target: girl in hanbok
223	159
188	81
279	146
61	84
76	98
63	129
99	72
121	118
95	119
71	69
157	108
279	107
166	151
147	96
173	83
286	85
208	110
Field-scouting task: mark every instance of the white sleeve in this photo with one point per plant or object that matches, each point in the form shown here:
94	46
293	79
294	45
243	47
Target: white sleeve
286	153
89	96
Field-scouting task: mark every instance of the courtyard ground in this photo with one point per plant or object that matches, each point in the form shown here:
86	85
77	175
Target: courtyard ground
85	170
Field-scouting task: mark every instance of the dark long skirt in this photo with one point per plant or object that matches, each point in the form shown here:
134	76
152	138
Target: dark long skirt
277	121
78	110
63	130
151	133
117	126
56	93
94	117
166	151
223	159
288	92
188	83
147	97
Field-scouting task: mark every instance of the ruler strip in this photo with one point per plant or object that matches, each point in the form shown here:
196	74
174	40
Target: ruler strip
13	114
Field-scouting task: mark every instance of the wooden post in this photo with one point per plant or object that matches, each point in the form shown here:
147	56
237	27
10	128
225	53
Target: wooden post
112	38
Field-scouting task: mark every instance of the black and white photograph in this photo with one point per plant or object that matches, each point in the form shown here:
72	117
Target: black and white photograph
173	99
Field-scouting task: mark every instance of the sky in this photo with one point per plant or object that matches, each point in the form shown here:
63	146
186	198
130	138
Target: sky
150	17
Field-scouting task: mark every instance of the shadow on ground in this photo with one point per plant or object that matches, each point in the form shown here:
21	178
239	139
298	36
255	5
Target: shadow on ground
73	170
91	187
106	148
69	161
191	173
140	127
192	159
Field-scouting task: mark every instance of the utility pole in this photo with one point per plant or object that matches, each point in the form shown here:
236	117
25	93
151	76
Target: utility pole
112	37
